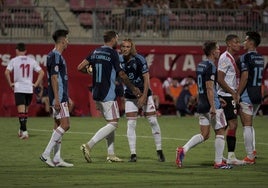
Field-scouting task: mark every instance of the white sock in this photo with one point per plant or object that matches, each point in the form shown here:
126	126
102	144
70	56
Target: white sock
195	140
57	149
248	141
131	135
110	143
101	134
219	147
253	137
156	132
231	155
55	137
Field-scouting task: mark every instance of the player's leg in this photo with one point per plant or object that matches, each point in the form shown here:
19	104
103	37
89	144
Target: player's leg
150	113
22	101
195	140
219	124
246	115
57	134
230	111
110	112
131	111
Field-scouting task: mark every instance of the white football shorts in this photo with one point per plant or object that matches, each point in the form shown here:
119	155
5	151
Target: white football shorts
63	113
131	105
217	123
250	109
108	109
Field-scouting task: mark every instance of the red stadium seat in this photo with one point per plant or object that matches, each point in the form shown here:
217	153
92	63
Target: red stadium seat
77	6
85	20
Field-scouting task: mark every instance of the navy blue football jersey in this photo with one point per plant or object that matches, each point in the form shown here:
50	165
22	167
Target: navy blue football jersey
135	68
56	65
254	64
105	63
206	71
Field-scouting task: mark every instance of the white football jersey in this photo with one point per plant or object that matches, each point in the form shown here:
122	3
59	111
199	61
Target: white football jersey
23	68
226	65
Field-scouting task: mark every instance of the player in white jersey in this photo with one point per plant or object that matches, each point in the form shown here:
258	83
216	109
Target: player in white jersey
23	68
228	75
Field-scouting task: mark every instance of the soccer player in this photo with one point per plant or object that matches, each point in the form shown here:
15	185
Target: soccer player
228	76
251	66
135	66
106	66
58	99
23	68
209	108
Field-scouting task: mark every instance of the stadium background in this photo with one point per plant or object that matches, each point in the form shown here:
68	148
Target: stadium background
176	55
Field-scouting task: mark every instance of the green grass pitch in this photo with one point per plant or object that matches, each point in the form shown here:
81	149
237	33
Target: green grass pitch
20	165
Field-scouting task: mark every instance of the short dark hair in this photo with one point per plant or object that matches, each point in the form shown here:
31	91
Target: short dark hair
21	47
208	46
109	35
254	36
59	33
230	37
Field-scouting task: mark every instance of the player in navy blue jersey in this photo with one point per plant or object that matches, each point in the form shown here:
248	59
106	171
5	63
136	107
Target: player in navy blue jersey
209	108
105	64
135	66
251	67
58	99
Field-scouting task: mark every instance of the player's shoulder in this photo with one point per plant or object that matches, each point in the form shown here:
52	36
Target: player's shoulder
140	58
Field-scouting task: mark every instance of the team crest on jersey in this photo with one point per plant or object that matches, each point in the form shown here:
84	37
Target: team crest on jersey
212	77
56	68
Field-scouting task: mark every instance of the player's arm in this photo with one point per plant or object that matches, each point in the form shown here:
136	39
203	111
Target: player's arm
224	85
55	87
210	96
39	78
84	67
127	82
7	75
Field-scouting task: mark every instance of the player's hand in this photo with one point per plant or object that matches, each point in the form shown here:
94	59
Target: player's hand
235	97
136	91
223	102
212	112
142	101
57	105
12	86
89	69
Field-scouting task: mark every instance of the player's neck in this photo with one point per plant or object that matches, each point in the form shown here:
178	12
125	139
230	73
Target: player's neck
59	48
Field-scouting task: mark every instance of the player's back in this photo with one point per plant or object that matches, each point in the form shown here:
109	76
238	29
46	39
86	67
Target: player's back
205	70
254	64
23	68
105	63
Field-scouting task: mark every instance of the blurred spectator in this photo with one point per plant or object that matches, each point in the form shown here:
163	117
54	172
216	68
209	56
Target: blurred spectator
265	21
148	17
2	10
175	90
163	12
244	4
186	102
118	10
166	85
209	4
255	16
41	94
131	14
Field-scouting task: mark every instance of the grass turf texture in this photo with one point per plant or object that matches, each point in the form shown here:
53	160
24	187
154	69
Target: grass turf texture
20	165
